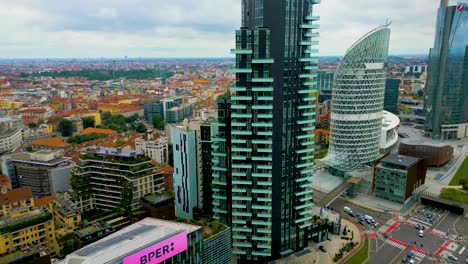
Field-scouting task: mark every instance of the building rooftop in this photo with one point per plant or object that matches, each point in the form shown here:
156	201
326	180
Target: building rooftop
112	151
133	238
43	157
15	195
25	215
44	201
401	160
389	121
422	141
92	130
56	142
8	132
4	180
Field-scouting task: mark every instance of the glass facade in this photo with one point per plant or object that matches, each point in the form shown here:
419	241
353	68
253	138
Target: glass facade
447	80
325	84
271	131
357	103
391	95
390	184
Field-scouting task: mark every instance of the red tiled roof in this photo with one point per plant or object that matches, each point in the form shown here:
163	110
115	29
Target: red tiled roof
92	130
51	142
15	195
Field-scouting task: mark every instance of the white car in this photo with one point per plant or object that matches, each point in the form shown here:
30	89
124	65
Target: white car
452	257
421	233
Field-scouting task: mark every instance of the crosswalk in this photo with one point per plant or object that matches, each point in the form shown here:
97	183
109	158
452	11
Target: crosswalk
395	244
414	223
418	254
437	232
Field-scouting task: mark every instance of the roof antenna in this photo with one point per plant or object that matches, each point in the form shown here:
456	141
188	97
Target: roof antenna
387	22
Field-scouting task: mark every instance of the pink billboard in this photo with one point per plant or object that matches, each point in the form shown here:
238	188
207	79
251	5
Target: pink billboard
159	252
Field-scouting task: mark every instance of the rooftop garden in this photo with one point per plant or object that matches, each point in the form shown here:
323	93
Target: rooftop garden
209	228
26	224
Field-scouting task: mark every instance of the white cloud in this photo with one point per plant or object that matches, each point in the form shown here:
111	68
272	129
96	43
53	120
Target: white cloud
187	28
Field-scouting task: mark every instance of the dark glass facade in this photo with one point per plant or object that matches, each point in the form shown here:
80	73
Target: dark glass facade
447	87
325	85
391	95
272	124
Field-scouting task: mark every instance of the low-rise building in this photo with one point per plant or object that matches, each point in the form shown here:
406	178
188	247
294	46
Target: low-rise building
27	231
101	131
53	144
434	153
5	184
155	147
16	198
10	140
397	176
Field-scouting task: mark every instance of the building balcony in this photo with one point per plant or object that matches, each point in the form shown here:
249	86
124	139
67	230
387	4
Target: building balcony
307	91
265	106
241	51
241	132
259	80
315	2
239	98
310	67
259	61
310	98
309	26
311	83
262	89
312	18
308	43
307	150
238	89
311	51
236	115
309	59
241	70
308	75
312	35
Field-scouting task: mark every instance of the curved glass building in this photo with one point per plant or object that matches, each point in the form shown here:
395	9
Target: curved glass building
357	103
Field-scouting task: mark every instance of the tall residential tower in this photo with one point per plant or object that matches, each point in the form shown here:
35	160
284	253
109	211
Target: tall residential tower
271	136
446	101
357	103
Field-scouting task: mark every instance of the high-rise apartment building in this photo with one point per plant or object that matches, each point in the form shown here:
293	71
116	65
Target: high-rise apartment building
357	103
118	178
392	87
446	101
271	137
186	180
193	169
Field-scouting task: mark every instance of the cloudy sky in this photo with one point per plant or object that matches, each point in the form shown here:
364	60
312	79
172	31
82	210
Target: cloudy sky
189	28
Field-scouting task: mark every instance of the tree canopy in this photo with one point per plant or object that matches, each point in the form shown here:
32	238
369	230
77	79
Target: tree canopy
88	121
66	128
158	122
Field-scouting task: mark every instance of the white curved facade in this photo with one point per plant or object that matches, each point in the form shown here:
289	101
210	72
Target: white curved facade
357	103
389	135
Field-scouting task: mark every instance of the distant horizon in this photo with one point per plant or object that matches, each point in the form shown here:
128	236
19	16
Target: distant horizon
178	58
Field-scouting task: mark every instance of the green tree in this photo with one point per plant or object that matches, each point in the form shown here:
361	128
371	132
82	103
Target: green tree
88	121
421	93
141	128
158	122
80	184
132	118
32	125
171	155
66	127
126	195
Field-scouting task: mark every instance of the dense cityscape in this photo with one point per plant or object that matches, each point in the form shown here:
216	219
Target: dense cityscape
275	154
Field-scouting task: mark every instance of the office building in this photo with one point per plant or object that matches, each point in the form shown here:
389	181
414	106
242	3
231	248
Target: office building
325	81
397	176
170	109
10	140
154	146
118	178
389	134
392	87
158	241
357	103
45	172
446	101
272	131
415	68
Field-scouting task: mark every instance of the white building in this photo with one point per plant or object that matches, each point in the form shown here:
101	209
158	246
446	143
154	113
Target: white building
155	148
10	139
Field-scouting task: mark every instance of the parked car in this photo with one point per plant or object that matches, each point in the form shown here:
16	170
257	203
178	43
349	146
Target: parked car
361	222
418	226
359	215
351	214
403	260
322	248
452	257
412	261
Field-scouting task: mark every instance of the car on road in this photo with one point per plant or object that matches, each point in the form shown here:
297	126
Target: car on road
323	249
410	254
369	221
361	222
359	216
404	260
347	209
452	257
421	233
412	261
418	226
351	214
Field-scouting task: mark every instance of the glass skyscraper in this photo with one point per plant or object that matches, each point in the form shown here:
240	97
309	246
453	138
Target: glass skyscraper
447	78
357	103
264	194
